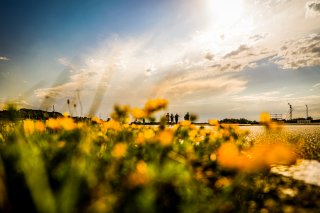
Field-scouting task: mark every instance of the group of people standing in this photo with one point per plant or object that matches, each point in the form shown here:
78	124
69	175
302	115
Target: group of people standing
175	118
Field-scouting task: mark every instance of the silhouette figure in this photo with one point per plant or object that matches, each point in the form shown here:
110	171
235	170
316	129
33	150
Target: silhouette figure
168	117
176	117
171	118
187	116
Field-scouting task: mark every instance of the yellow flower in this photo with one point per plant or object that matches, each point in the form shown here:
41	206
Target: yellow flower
222	182
148	134
28	126
140	175
228	155
213	122
53	123
166	137
140	138
137	113
185	123
119	150
67	123
112	124
97	120
155	105
265	117
39	126
192	134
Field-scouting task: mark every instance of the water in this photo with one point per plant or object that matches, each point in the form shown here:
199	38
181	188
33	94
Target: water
307	139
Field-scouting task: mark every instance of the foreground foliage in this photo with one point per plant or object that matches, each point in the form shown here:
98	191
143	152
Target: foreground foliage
60	165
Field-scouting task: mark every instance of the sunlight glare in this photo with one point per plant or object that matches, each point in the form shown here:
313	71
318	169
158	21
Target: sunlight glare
225	13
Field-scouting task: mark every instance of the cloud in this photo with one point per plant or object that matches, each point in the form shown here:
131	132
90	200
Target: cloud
316	85
312	9
242	48
3	58
300	53
196	84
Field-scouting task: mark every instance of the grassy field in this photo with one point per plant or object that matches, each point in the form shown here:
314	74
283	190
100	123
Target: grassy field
59	165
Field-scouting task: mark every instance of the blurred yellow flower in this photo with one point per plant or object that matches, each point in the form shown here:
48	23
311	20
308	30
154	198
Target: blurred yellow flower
140	138
256	157
52	123
140	175
28	126
148	134
192	134
39	126
112	124
155	105
67	123
166	137
119	150
97	120
222	182
265	117
228	155
185	123
213	122
137	113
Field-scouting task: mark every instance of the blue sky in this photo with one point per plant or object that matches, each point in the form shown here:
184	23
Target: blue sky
231	58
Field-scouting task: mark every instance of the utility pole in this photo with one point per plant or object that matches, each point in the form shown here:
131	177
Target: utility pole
290	110
307	112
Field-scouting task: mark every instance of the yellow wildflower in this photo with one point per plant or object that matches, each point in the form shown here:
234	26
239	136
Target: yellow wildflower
97	120
155	105
213	122
67	123
166	137
185	123
39	126
140	175
265	117
140	138
119	150
28	126
222	182
53	123
137	113
112	124
148	134
228	155
192	134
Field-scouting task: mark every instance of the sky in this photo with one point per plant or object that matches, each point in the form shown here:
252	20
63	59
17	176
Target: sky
214	58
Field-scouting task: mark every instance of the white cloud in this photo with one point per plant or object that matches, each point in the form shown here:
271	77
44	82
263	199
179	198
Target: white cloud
300	53
313	9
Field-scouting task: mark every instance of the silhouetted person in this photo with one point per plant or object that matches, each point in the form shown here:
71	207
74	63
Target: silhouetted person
176	117
143	121
171	118
187	116
168	117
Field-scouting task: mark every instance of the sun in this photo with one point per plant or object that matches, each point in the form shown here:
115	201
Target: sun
225	13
